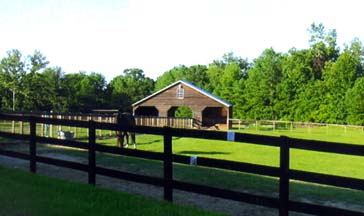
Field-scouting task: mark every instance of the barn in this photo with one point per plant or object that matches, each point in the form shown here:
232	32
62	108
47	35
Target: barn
208	110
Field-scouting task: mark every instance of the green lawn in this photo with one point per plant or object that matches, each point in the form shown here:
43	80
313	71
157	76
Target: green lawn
330	134
343	165
335	164
23	193
350	166
237	181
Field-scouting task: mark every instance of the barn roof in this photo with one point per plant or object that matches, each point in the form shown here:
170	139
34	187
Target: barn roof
219	100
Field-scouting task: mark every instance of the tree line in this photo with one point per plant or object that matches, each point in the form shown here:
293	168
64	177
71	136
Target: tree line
319	84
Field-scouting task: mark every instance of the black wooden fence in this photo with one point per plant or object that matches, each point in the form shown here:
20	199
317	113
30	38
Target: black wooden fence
283	172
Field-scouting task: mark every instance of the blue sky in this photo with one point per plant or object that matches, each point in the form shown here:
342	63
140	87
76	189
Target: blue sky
108	36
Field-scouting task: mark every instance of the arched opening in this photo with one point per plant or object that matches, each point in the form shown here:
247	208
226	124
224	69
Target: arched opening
146	111
180	112
213	116
183	112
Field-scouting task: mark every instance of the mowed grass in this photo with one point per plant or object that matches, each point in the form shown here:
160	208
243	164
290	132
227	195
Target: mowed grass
23	193
237	181
335	164
319	162
341	134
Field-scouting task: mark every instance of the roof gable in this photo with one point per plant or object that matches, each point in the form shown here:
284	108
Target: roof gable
219	100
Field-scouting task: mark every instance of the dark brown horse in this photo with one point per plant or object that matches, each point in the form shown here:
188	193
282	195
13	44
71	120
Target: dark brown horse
125	119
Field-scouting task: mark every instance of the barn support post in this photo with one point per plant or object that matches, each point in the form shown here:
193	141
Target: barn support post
163	110
229	115
91	153
284	177
167	165
32	145
197	111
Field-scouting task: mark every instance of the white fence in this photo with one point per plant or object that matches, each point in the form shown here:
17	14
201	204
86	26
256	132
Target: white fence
164	121
273	125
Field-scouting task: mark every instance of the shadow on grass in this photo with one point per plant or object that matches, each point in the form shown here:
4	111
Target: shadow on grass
203	152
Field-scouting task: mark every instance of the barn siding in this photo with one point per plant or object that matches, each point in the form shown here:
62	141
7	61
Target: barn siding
193	98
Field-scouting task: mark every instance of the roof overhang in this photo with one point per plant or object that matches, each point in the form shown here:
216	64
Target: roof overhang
219	100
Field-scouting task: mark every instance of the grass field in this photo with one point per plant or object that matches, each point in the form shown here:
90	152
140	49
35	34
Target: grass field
236	181
350	166
343	165
340	134
335	164
23	193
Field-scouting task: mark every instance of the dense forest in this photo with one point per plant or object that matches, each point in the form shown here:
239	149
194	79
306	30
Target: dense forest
320	84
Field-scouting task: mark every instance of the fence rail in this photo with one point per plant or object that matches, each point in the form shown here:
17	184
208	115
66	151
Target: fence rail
151	121
273	125
154	121
283	172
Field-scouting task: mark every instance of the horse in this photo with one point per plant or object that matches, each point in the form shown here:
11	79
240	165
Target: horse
123	120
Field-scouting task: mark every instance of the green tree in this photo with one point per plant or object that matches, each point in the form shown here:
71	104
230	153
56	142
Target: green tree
36	92
53	79
354	101
12	72
227	80
92	91
310	102
222	70
296	74
71	84
128	88
183	112
261	86
196	74
171	76
323	47
230	85
37	62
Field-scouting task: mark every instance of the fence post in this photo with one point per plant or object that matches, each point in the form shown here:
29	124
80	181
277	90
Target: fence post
13	126
168	166
274	125
22	126
100	131
51	125
284	177
32	145
91	153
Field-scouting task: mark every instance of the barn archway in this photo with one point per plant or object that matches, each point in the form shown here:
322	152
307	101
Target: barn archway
146	111
183	112
180	112
212	116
